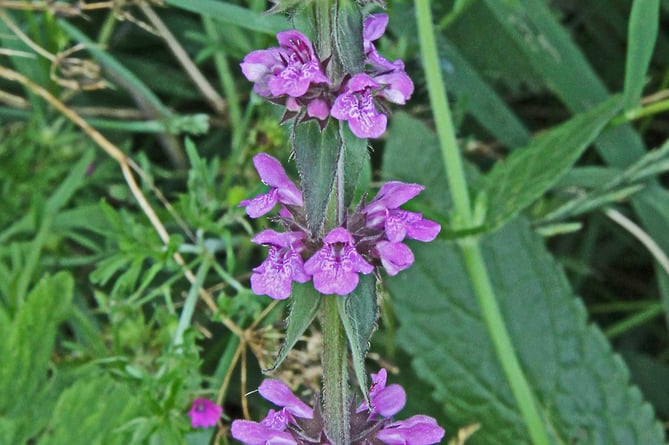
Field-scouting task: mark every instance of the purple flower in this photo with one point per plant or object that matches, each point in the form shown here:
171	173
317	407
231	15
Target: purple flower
318	108
395	257
272	429
282	189
288	70
383	211
356	105
372	29
280	394
391	195
397	85
298	423
386	400
401	223
336	265
283	264
254	433
204	413
259	66
416	430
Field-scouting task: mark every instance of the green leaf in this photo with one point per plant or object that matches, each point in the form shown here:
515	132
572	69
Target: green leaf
582	388
527	174
316	154
642	34
234	15
553	54
479	99
358	312
89	412
26	347
609	184
399	160
347	33
356	158
305	301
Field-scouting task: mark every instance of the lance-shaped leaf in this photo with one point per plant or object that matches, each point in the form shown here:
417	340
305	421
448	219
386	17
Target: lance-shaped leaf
527	174
316	154
347	33
305	301
643	27
359	311
355	157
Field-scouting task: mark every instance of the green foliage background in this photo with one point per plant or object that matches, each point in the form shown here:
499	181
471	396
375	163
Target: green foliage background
547	98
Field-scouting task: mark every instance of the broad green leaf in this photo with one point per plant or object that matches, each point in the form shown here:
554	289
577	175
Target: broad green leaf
642	34
582	388
527	174
26	348
358	312
356	158
552	53
316	154
31	339
479	99
304	304
8	429
411	147
234	15
89	412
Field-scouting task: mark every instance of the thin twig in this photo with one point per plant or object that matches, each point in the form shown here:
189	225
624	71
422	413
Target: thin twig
263	314
645	239
228	376
25	39
245	401
214	99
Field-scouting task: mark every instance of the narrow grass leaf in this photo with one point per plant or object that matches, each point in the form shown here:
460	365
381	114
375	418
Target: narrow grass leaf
642	34
527	174
234	15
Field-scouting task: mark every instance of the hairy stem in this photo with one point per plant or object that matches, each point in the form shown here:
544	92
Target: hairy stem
470	247
335	373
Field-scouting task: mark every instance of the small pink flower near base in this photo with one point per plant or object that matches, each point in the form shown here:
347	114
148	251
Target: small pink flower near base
204	413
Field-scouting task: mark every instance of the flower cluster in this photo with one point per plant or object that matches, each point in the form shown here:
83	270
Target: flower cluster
294	76
370	236
298	423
